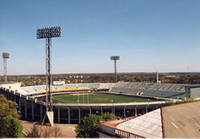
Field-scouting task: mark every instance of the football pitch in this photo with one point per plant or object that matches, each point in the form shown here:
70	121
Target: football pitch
97	98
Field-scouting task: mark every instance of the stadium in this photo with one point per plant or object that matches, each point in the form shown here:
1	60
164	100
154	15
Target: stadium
71	102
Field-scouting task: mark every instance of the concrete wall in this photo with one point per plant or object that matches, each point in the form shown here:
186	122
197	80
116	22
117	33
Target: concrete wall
108	130
195	92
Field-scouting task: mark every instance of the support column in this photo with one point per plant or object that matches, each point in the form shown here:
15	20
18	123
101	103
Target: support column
14	96
113	109
79	115
41	112
19	103
136	111
68	115
101	110
146	109
124	111
9	98
32	110
25	109
58	115
90	110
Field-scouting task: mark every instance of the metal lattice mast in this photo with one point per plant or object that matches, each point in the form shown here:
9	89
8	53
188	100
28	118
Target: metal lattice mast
48	33
46	68
48	75
115	70
48	72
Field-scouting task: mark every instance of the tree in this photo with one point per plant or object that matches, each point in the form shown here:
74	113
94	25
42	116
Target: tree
9	123
8	107
88	126
11	127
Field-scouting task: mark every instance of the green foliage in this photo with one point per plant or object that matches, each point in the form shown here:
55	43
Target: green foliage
9	123
8	107
88	126
186	100
190	99
108	116
11	127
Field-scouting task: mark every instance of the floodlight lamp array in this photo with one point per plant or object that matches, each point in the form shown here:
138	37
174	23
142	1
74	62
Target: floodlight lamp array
5	55
114	57
49	32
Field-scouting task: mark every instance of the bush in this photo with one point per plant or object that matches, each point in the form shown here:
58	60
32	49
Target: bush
108	116
11	127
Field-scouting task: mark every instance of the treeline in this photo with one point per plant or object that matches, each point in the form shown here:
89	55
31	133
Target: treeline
190	78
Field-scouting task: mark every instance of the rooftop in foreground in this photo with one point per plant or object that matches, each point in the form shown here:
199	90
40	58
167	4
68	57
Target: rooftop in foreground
176	121
181	121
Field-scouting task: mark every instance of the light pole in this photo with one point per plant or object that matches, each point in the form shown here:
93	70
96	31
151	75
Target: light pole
5	56
48	33
115	58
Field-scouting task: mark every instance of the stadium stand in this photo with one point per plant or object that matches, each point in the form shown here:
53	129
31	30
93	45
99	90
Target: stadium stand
106	85
60	88
150	89
151	86
162	90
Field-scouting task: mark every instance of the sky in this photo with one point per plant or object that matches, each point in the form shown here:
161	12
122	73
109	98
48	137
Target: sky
148	35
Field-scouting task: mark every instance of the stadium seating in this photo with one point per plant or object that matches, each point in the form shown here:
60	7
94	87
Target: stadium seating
60	88
136	88
151	86
106	85
150	89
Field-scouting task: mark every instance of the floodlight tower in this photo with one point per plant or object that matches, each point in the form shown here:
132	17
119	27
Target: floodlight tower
157	77
5	56
48	33
115	58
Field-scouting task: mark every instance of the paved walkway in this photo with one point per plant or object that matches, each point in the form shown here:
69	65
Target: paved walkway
68	130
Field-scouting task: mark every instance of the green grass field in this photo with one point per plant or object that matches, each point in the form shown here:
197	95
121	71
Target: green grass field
98	98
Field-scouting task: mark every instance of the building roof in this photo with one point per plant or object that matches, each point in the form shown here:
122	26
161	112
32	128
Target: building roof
175	121
182	120
113	123
148	125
